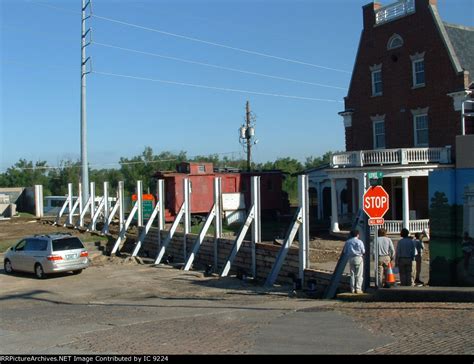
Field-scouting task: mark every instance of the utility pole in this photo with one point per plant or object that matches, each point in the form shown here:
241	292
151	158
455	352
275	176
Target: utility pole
247	134
249	146
84	72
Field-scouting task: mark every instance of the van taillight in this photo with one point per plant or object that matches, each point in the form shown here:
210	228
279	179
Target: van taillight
84	254
54	257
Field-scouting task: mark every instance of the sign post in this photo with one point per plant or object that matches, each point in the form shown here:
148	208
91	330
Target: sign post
376	204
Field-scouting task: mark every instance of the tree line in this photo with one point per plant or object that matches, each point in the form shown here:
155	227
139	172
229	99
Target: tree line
140	167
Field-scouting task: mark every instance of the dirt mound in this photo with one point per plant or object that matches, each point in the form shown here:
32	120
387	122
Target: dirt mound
101	260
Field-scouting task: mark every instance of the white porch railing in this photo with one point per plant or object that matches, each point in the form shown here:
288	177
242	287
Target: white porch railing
391	156
394	11
414	226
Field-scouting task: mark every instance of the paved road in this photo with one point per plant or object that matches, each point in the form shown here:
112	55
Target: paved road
136	309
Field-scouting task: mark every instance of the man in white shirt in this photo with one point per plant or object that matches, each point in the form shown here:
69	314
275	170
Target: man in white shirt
355	250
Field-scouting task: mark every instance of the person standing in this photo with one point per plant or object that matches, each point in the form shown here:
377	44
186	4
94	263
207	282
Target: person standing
355	250
386	254
419	255
405	258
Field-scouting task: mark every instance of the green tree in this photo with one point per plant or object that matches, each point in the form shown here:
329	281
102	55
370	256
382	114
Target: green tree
26	174
314	162
145	165
68	172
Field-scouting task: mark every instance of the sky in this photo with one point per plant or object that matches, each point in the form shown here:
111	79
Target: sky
313	43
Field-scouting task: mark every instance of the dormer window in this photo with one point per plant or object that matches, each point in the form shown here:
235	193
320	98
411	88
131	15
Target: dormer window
395	41
376	76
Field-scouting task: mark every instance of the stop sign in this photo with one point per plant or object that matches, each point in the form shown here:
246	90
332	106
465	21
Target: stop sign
376	202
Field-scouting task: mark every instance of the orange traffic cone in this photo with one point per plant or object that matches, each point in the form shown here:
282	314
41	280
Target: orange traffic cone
390	276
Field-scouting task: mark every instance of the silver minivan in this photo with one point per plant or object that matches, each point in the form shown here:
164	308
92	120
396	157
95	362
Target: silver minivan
45	254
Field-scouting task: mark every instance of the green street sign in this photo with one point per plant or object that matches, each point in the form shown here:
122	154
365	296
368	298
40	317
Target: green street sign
375	175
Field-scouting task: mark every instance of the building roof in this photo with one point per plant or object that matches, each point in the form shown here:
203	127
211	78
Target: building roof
462	39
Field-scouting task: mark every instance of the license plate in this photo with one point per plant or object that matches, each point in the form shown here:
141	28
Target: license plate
71	256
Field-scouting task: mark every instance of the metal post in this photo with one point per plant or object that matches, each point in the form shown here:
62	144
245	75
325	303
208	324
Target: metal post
238	242
218	218
140	203
81	206
106	202
334	213
366	240
463	120
167	240
290	236
304	229
39	201
405	203
376	257
84	161
121	207
256	232
161	209
202	234
187	214
69	199
247	135
92	192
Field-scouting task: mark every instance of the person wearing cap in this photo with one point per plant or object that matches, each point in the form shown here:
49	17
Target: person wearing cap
355	250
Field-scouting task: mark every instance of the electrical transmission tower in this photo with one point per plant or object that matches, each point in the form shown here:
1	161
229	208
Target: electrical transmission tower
247	134
84	72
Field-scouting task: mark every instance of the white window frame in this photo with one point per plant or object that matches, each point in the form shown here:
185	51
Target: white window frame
415	59
376	69
378	119
416	114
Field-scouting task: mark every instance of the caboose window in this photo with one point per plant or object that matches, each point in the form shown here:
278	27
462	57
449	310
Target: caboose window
201	168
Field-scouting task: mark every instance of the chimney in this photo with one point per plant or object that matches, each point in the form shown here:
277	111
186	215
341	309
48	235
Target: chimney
368	12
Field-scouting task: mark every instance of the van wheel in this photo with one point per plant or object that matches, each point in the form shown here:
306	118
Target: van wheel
75	272
8	266
39	272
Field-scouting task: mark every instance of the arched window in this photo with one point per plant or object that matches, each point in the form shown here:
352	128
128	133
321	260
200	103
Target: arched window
395	41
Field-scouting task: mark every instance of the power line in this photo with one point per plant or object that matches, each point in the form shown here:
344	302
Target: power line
185	61
218	44
216	66
198	40
188	84
116	163
214	87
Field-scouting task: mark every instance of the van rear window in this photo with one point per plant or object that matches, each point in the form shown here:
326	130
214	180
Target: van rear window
67	244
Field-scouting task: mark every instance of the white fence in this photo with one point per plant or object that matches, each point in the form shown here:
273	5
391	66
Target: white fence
392	156
394	11
414	226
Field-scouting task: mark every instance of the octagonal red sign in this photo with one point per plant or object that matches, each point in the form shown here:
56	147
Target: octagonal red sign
376	202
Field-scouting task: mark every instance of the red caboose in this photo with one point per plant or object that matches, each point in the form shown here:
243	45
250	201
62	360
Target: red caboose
274	200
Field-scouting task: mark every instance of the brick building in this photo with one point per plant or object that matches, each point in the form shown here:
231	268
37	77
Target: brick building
412	79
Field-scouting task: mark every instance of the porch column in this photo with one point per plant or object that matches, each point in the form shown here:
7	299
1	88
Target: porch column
354	207
362	185
320	202
334	221
405	203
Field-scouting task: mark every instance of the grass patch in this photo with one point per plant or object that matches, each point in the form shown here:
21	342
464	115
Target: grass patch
4	245
26	214
195	229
